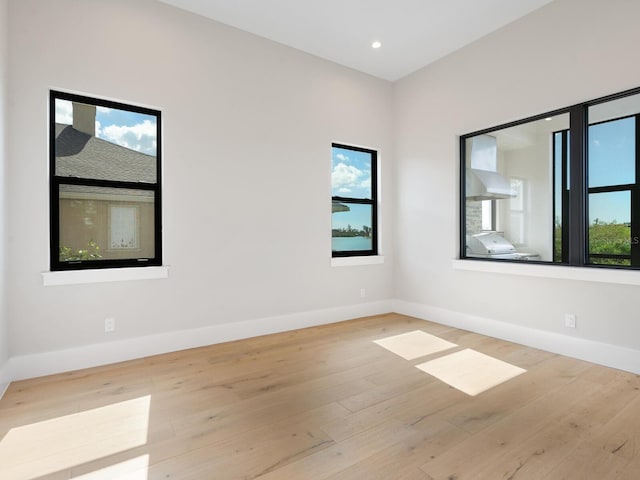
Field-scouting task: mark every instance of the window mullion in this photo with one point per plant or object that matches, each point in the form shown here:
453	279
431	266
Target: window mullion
578	186
635	202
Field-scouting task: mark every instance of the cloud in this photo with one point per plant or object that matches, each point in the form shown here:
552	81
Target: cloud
344	190
345	176
140	137
103	109
64	112
342	157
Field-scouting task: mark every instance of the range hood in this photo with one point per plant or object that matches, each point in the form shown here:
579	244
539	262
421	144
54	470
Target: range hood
483	182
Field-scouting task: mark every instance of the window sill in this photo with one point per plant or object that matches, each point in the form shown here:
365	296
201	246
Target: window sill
351	261
74	277
585	274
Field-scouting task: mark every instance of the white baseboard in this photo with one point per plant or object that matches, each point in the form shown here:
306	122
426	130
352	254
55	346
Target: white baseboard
47	363
592	351
5	377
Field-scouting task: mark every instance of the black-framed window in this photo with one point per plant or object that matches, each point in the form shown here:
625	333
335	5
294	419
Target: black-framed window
354	230
594	194
105	184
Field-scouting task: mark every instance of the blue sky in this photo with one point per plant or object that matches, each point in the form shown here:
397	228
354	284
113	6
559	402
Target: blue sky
132	130
611	162
351	177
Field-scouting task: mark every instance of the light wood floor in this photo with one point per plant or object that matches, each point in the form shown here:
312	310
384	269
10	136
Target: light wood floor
323	403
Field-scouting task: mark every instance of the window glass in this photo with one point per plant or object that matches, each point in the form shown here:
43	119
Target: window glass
512	169
351	173
353	201
612	151
612	163
105	183
557	197
104	143
351	229
610	228
98	223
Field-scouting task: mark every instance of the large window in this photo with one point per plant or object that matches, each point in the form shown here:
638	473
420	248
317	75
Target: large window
353	201
105	184
570	182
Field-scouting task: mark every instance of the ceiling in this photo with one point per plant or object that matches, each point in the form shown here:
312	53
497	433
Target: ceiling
413	33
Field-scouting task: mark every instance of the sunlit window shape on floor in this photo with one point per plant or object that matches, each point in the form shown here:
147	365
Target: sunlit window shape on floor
44	448
471	372
414	344
135	469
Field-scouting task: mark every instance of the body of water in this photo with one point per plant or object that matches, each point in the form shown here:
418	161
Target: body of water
341	244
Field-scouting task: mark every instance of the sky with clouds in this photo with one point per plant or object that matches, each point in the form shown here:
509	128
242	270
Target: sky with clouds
132	130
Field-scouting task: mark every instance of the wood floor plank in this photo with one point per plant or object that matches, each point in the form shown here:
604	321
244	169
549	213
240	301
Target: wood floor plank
323	403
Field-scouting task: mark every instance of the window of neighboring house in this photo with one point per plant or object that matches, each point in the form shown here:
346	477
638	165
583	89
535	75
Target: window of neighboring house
354	201
104	184
580	165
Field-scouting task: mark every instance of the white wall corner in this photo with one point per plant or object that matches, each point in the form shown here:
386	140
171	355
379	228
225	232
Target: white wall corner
48	363
609	355
5	377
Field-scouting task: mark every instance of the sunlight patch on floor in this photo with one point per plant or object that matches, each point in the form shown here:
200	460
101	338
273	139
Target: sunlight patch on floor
470	372
54	445
414	344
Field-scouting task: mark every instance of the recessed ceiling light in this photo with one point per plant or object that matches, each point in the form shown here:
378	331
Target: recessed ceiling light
548	119
376	44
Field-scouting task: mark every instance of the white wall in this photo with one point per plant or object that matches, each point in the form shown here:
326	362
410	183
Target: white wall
4	322
247	127
567	52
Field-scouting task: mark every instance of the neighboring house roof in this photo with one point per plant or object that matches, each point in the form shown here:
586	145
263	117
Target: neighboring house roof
84	156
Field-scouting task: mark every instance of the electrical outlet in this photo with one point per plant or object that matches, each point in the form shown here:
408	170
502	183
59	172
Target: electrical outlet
109	325
570	320
363	293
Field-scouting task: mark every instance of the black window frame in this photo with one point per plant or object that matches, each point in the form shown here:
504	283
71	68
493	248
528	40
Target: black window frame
564	195
55	182
634	198
362	201
575	194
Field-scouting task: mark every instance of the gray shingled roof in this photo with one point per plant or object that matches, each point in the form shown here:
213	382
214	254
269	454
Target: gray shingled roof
84	156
